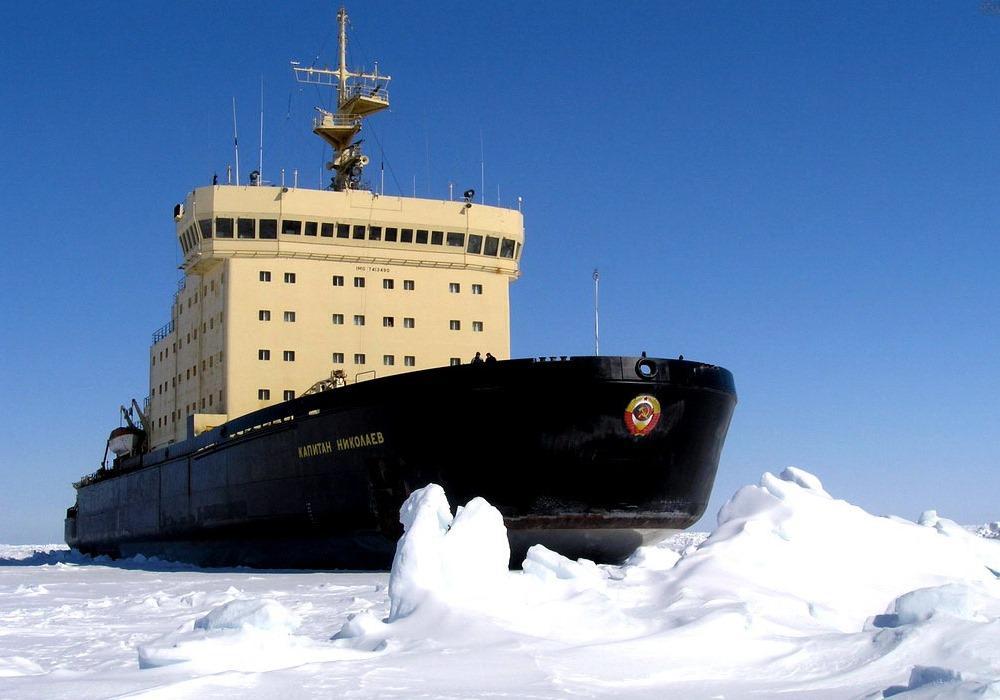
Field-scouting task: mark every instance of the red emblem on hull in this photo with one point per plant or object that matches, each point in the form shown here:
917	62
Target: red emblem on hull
642	415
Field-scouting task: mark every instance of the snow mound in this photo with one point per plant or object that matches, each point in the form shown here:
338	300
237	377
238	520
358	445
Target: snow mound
240	635
242	614
11	666
801	558
458	559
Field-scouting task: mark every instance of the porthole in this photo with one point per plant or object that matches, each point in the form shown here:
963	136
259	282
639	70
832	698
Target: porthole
645	368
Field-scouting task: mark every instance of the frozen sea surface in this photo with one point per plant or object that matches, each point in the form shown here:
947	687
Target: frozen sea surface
795	593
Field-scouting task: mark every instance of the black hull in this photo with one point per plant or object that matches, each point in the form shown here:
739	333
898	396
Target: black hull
317	482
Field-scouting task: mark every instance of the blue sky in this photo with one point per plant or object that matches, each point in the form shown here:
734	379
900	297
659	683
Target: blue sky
805	193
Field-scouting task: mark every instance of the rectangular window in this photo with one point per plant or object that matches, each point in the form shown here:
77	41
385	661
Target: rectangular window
437	237
406	235
338	358
408	285
223	227
387	284
263	394
264	315
289	394
454	361
492	245
477	326
454	287
289	278
455	325
388	360
338	280
268	228
475	244
206	228
374	233
246	228
359	232
288	356
408	322
390	235
359	358
326	230
421	236
388	321
265	276
409	361
507	248
310	230
343	231
456	240
263	354
290	227
289	317
359	320
338	319
359	281
477	289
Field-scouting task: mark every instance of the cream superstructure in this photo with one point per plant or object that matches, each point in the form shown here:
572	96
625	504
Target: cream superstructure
283	285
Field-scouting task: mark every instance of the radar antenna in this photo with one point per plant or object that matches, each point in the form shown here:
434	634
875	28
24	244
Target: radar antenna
359	95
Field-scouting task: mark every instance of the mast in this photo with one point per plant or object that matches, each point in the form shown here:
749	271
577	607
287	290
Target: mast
359	95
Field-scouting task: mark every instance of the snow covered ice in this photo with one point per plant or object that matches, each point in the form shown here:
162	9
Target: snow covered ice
794	593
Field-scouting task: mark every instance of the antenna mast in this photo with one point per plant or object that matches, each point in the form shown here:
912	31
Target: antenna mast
359	95
260	158
236	143
597	313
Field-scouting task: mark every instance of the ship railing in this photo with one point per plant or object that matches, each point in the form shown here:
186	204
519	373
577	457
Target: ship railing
368	88
163	331
329	119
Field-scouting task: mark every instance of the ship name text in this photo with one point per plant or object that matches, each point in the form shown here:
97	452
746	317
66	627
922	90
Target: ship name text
315	449
364	440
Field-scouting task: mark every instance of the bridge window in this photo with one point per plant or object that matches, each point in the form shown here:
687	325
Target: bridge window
406	235
326	231
290	227
268	228
310	230
507	248
343	231
492	245
390	235
246	228
475	243
206	228
223	227
437	237
456	240
374	233
359	232
421	236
